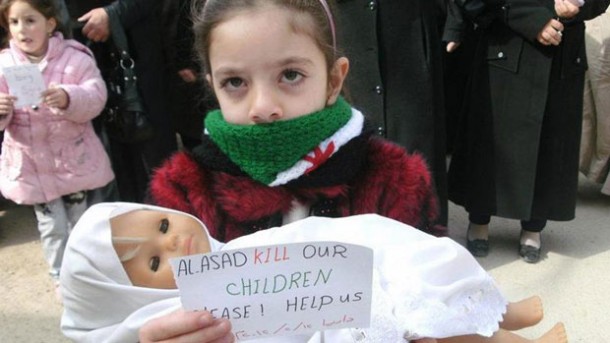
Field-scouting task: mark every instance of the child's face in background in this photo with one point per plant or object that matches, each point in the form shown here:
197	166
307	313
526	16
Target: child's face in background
263	70
29	28
166	235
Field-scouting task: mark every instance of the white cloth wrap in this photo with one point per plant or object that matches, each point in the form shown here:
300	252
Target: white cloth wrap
100	303
423	286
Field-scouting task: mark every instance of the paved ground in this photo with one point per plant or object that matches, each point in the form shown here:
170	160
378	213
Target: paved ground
573	278
28	309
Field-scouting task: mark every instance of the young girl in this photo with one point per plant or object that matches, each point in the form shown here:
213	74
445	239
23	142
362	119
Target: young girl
117	277
50	153
284	145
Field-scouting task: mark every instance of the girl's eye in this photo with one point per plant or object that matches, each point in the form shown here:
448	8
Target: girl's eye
291	76
164	226
233	82
154	263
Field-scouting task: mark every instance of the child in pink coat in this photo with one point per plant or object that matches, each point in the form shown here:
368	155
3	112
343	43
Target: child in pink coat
50	154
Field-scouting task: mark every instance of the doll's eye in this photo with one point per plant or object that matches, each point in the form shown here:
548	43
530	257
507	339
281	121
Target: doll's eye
164	226
154	263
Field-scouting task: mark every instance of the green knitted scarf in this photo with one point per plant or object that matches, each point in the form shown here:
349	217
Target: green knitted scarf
264	150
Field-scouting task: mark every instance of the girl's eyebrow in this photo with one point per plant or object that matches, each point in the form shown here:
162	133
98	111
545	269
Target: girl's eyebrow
294	60
29	16
222	71
229	70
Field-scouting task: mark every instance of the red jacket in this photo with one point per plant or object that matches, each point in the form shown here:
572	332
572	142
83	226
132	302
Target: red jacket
379	177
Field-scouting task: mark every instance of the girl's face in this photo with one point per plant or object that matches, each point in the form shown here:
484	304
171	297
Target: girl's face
165	235
29	28
263	70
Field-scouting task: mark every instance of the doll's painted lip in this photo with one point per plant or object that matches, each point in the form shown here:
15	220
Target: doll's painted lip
187	245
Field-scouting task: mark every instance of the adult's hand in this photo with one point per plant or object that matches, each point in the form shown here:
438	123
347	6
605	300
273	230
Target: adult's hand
187	327
566	9
551	33
97	26
187	75
452	46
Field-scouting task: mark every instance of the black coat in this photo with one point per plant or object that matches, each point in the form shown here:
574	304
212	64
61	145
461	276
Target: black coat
141	20
395	77
517	150
142	23
190	101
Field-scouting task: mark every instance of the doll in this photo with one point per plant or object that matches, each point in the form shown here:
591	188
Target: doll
117	277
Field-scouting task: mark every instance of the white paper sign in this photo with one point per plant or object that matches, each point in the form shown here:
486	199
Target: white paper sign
279	290
26	83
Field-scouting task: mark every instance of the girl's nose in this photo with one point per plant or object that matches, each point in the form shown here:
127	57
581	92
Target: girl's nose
265	107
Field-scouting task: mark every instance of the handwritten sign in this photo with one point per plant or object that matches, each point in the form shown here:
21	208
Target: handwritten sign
280	290
26	83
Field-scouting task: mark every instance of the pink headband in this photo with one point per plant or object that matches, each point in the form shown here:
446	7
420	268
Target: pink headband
331	21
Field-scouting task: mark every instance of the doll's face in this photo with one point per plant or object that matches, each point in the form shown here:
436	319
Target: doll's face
159	236
265	66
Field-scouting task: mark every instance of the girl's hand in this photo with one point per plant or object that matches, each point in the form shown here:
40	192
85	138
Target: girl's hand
551	33
181	326
7	104
55	97
566	9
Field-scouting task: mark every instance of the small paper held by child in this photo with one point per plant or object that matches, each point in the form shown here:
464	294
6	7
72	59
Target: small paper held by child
280	290
26	83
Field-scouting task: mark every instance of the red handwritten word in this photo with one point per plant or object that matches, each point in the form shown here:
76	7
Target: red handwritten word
345	319
265	256
283	329
287	328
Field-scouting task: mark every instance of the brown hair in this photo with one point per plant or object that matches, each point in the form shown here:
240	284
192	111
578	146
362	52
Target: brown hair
46	7
209	14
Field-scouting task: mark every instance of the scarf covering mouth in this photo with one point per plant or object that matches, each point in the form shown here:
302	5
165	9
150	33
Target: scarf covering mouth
278	152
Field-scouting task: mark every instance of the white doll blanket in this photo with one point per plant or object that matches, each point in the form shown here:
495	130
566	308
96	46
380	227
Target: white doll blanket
423	286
